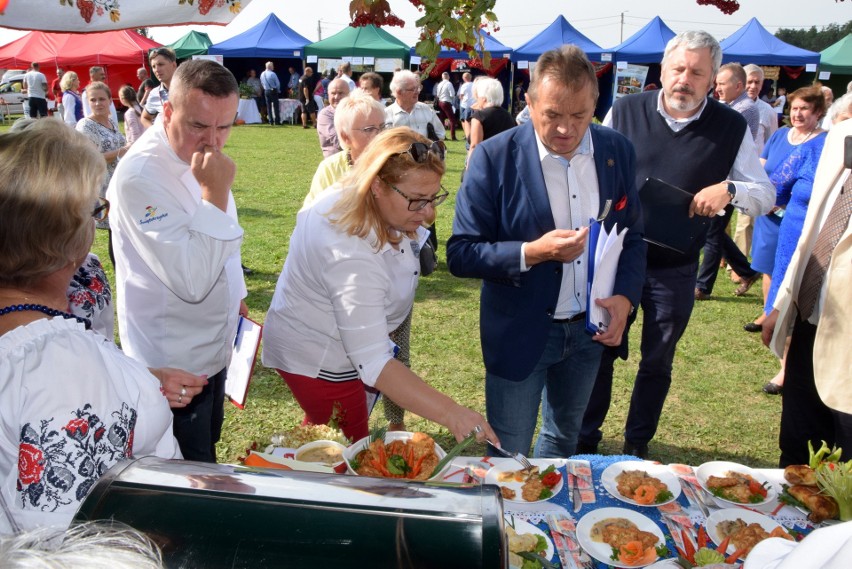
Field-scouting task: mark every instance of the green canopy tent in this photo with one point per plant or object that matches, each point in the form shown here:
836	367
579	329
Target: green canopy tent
362	42
837	58
193	43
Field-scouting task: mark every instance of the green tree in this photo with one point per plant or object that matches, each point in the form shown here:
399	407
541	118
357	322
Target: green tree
813	39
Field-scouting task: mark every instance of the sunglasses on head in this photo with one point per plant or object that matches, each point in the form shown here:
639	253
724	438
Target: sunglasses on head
419	151
101	210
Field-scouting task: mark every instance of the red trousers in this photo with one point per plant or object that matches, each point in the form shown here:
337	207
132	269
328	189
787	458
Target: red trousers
318	397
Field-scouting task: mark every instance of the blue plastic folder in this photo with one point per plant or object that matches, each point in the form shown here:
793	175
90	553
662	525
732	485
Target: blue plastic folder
602	258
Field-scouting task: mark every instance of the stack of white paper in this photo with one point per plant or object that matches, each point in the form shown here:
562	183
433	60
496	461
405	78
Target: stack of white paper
604	267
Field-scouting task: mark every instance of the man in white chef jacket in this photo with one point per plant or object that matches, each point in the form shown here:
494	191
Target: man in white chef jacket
177	245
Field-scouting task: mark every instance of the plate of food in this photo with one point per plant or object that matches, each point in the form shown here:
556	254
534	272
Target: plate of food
400	454
743	528
640	483
538	484
620	537
524	537
735	484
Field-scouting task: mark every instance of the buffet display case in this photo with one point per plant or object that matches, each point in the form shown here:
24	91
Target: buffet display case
214	515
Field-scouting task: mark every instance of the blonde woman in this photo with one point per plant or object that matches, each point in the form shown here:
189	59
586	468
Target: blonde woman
349	280
72	104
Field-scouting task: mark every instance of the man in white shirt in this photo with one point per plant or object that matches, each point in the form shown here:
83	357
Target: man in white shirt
767	127
407	110
466	102
446	94
163	62
36	84
177	241
344	72
97	74
779	103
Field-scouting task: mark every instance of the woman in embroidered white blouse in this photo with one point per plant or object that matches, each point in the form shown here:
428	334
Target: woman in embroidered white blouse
349	280
71	404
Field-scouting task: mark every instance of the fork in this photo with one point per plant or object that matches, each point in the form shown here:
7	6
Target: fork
517	456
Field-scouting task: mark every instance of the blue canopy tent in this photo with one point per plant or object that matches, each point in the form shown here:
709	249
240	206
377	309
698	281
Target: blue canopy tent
557	34
752	43
645	46
492	45
270	39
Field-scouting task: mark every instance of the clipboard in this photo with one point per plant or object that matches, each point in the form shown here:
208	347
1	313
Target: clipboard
243	358
665	211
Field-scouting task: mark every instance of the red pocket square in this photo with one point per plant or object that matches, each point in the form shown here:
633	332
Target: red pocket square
621	204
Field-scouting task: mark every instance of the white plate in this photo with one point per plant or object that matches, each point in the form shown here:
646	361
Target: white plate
662	473
602	551
522	527
731	514
352	450
491	477
721	468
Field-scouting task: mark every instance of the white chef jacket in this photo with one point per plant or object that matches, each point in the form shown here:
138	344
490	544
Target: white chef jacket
178	273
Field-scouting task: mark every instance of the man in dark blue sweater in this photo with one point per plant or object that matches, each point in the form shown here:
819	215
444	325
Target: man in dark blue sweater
703	147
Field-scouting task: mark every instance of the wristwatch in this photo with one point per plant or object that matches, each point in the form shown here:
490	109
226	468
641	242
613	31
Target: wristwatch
732	191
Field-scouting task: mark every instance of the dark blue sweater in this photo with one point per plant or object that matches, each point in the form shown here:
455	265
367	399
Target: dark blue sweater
699	155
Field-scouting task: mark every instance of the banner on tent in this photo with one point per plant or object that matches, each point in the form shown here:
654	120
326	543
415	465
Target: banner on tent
104	15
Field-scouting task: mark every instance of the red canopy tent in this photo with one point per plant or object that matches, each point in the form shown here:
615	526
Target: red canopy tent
119	52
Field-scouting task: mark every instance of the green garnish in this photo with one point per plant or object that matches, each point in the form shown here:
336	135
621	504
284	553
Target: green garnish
615	553
547	470
541	544
662	550
707	556
756	499
354	464
663	496
788	498
397	465
545	494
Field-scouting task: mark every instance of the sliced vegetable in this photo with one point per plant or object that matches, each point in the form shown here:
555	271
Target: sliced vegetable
688	547
707	556
723	547
551	479
732	558
702	538
545	494
631	553
396	465
456	451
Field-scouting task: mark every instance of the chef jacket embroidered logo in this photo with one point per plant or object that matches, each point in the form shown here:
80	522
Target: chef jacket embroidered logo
151	215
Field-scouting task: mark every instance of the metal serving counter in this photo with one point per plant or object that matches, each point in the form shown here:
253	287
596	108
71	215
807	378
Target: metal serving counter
211	515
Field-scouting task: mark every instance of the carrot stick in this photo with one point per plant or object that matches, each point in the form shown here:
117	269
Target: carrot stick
723	547
732	558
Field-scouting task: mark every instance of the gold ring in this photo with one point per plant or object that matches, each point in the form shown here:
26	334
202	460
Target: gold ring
180	398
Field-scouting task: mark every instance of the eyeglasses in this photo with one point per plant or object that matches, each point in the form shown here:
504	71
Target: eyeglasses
411	90
370	130
101	210
419	151
420	203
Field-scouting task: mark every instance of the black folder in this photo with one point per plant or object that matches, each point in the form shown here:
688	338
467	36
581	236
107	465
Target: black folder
665	209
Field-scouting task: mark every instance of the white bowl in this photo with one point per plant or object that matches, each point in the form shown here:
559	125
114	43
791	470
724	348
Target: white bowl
338	466
352	451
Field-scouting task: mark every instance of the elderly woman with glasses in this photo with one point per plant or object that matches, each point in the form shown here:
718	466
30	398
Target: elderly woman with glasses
349	280
358	118
72	403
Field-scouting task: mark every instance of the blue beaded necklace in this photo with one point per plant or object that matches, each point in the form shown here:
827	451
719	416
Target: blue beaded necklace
45	309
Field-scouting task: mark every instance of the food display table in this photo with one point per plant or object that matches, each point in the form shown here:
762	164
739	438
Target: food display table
671	519
247	112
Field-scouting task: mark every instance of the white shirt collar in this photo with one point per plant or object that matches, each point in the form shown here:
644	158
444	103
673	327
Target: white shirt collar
585	147
671	120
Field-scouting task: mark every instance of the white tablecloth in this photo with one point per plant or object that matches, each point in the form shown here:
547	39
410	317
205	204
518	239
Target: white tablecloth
287	107
248	112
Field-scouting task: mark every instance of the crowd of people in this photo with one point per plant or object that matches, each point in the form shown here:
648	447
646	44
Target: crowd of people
339	325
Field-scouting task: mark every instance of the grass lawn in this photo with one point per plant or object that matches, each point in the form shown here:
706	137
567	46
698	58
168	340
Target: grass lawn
715	409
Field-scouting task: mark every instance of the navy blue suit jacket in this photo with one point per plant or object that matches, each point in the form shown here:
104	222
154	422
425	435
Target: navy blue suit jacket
502	204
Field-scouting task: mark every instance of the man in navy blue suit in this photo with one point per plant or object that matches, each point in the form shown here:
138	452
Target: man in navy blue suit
521	225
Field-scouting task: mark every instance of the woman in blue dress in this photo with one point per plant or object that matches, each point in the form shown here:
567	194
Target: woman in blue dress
790	158
807	107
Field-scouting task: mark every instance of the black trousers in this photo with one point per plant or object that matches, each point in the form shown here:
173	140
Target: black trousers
198	426
804	417
718	245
